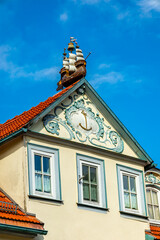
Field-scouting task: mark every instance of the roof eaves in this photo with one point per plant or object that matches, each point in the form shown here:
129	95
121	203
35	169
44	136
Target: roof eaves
12	135
18	229
149	236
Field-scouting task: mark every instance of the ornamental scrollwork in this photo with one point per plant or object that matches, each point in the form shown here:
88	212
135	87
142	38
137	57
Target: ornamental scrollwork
83	124
152	179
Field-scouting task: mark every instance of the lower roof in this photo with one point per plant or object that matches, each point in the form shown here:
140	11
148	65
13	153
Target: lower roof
154	232
13	217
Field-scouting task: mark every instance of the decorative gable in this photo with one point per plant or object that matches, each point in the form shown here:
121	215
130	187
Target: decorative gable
78	119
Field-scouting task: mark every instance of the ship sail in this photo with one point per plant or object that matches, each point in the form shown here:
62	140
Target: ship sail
79	54
72	60
66	63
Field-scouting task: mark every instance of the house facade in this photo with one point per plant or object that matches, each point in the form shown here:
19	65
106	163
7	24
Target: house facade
73	163
152	179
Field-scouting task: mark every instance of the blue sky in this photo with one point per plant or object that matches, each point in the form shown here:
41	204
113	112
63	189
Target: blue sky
124	67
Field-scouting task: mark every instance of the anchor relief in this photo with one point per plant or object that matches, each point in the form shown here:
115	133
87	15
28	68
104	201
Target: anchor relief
83	124
85	116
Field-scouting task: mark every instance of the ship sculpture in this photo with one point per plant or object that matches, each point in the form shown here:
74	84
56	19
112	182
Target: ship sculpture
74	66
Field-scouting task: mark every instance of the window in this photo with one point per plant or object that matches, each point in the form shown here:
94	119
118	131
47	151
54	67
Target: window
131	190
42	169
91	181
44	176
153	204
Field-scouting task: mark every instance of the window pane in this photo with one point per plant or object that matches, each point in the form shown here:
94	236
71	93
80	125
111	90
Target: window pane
127	200
38	182
125	182
134	201
156	211
149	196
37	163
86	191
93	174
150	211
94	193
46	165
132	184
85	173
47	184
154	198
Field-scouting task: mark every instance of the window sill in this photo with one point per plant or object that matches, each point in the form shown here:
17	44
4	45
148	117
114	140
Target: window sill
45	199
154	222
92	206
134	215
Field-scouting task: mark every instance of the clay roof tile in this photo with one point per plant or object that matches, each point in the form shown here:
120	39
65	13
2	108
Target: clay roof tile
10	215
19	121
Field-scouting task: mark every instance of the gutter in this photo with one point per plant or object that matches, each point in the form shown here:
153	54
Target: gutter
150	166
12	135
24	230
149	237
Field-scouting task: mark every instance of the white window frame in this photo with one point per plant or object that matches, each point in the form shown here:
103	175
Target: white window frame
99	164
123	170
152	220
53	155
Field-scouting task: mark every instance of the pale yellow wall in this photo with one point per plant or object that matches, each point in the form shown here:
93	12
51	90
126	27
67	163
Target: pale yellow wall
63	133
11	169
67	221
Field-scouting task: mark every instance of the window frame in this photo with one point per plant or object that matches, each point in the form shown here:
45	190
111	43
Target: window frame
141	200
53	154
153	220
99	164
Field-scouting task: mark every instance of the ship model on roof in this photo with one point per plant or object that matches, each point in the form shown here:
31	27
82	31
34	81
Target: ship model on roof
74	66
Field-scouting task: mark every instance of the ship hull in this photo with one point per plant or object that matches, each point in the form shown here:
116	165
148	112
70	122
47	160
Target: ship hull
67	79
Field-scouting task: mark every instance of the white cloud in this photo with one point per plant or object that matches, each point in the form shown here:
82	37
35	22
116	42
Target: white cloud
104	66
15	71
90	2
149	5
64	17
123	15
48	73
111	77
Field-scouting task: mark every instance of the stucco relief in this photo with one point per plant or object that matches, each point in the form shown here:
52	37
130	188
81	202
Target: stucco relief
83	124
151	178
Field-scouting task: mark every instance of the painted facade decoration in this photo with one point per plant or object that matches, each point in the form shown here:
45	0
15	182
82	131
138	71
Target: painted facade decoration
150	178
83	124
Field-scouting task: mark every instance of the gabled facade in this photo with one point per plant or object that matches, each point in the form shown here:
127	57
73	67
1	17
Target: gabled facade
73	163
152	179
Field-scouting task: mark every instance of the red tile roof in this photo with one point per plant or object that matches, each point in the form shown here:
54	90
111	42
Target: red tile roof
155	231
12	214
21	120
